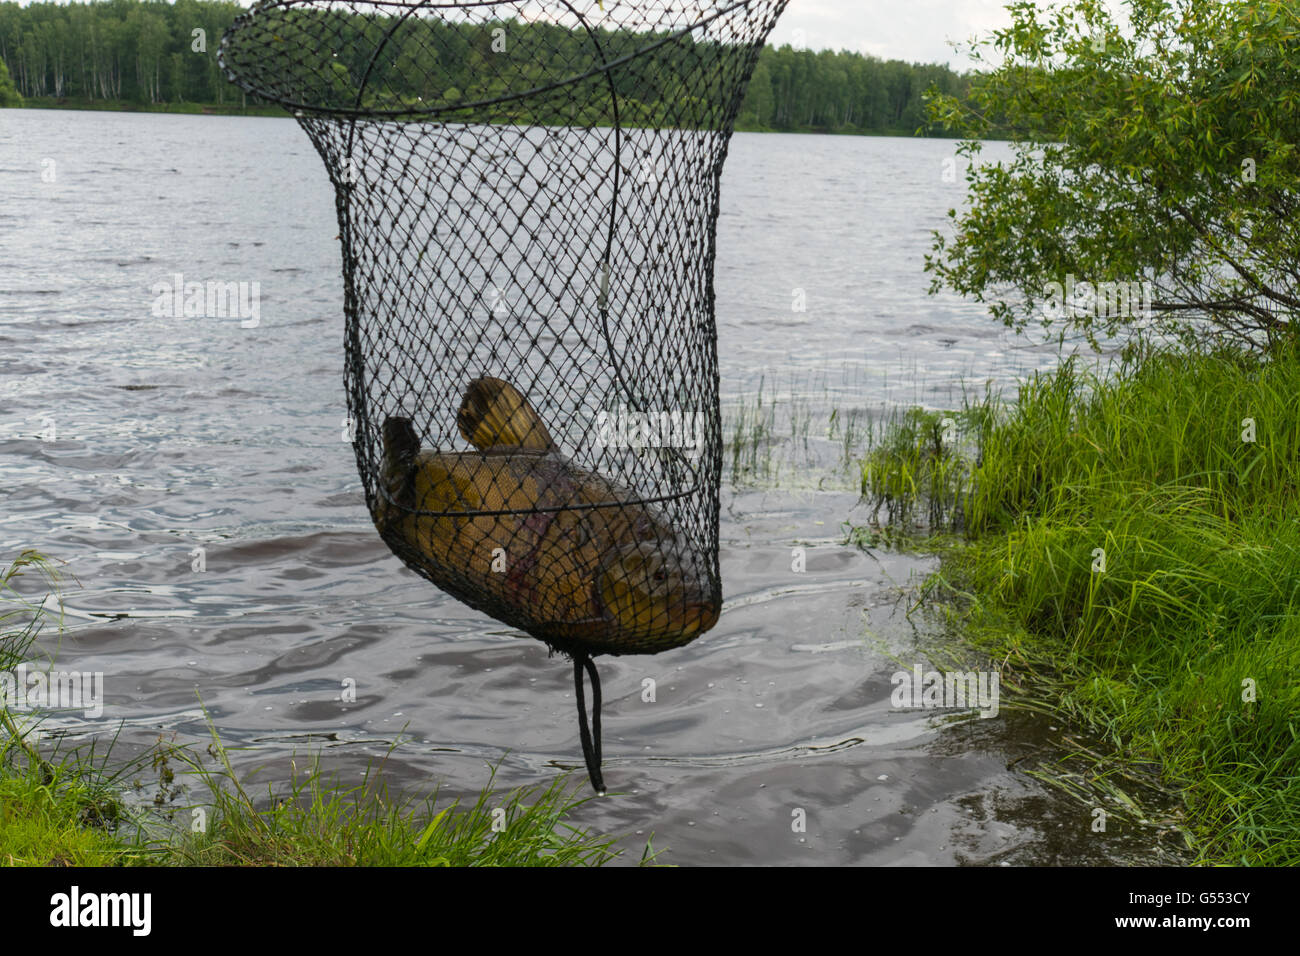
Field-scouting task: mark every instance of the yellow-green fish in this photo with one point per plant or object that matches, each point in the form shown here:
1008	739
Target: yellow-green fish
537	541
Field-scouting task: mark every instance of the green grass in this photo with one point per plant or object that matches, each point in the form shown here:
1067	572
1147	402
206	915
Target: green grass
76	807
1135	561
316	821
68	817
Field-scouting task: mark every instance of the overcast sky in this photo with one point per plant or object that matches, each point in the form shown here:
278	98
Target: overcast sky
913	30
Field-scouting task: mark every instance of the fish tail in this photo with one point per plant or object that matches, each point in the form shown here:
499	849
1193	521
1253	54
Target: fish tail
495	415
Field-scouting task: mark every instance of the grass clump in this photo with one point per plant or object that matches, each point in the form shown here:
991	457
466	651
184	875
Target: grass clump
916	467
1130	545
68	819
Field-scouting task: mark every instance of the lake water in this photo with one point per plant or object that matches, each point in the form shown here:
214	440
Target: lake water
128	441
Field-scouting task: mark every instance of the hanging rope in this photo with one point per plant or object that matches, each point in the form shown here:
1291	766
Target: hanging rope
590	743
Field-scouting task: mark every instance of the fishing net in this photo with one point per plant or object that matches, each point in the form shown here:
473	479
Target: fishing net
527	195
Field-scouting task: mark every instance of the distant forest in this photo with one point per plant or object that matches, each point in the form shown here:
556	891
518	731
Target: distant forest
146	54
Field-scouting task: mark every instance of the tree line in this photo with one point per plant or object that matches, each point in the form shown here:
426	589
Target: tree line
153	53
844	92
128	51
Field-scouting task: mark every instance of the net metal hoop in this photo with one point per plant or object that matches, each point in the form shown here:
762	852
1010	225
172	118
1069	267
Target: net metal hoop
296	105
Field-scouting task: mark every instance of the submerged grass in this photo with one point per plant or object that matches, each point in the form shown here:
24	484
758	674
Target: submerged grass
73	808
1129	544
801	435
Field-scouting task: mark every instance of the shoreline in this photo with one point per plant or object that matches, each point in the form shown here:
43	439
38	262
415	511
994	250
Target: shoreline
277	112
1126	550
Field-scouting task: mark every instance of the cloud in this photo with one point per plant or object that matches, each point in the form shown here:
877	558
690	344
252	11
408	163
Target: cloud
912	30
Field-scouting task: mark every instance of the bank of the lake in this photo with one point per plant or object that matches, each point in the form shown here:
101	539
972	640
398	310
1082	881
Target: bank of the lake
129	106
1129	546
177	805
71	813
246	108
75	808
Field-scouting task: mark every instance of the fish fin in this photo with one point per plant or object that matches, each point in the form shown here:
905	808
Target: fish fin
494	415
400	441
401	446
421	480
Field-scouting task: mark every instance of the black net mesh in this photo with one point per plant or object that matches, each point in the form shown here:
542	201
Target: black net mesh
528	196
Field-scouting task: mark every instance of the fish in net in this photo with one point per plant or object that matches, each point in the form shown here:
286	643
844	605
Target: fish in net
527	195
